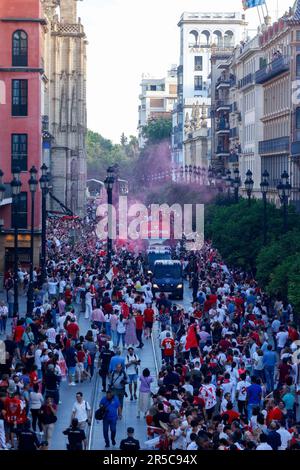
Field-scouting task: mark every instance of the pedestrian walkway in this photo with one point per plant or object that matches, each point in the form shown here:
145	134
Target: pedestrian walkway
130	407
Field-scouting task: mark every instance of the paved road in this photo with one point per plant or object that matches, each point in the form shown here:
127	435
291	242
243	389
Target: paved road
130	408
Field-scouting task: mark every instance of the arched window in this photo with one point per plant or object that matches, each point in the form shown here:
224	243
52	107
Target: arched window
204	38
194	37
20	49
217	38
298	65
228	39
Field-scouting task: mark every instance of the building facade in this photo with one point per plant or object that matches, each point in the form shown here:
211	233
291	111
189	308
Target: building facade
256	108
196	137
157	99
64	103
21	70
199	34
278	74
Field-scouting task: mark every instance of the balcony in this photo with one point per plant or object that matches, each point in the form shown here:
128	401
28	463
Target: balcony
234	133
234	107
295	149
246	81
222	83
274	146
271	70
223	106
223	128
222	151
195	45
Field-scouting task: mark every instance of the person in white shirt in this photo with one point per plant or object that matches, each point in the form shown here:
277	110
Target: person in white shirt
192	445
241	394
177	436
52	288
263	443
51	335
88	305
285	435
281	337
82	411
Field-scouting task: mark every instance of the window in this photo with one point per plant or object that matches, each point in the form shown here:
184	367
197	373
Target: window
262	63
19	151
198	83
298	118
298	65
19	217
298	35
198	63
20	49
19	97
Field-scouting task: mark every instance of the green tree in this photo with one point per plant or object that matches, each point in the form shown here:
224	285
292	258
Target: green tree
102	153
157	130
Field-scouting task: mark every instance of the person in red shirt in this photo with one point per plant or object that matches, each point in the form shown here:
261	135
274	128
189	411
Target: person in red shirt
168	347
73	329
275	414
18	335
15	415
139	324
231	413
148	319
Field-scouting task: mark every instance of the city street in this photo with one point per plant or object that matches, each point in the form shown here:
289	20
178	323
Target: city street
149	206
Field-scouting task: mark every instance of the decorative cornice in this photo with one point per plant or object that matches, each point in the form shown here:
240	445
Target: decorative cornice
42	21
22	69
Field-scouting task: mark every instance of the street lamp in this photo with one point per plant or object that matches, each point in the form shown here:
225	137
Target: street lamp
264	185
109	184
203	176
236	184
228	182
219	182
249	183
44	184
210	175
32	182
284	191
15	189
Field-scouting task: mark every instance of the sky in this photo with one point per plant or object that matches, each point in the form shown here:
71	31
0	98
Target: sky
130	37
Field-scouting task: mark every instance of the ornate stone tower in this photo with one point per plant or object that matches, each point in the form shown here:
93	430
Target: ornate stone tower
65	102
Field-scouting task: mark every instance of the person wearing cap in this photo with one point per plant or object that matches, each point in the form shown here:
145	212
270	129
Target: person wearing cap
27	439
130	444
76	436
131	363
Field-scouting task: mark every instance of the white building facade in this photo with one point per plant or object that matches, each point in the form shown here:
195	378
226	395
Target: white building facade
157	99
199	32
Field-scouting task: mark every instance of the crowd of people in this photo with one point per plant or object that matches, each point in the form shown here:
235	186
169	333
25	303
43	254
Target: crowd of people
228	367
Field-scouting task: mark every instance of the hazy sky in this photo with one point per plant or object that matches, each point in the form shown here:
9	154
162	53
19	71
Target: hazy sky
131	37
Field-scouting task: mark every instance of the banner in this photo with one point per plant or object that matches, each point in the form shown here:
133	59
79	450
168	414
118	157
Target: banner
252	3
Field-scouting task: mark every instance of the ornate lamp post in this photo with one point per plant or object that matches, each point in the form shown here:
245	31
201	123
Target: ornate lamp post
210	175
33	187
109	184
249	183
236	184
44	184
228	182
15	189
219	182
264	185
284	191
